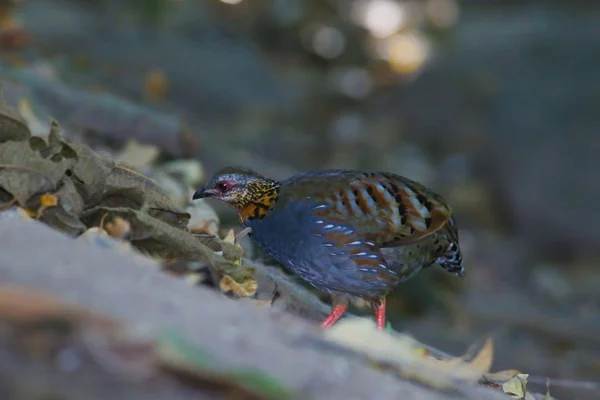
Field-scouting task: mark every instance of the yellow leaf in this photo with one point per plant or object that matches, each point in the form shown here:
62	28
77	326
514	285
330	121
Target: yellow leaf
516	387
362	335
23	213
247	288
46	201
482	362
36	126
156	85
471	370
117	228
137	155
501	376
230	237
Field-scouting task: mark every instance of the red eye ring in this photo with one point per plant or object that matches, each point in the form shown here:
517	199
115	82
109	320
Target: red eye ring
222	186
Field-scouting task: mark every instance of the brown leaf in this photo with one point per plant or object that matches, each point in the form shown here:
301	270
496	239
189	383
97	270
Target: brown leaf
137	155
156	85
203	219
117	228
246	288
501	376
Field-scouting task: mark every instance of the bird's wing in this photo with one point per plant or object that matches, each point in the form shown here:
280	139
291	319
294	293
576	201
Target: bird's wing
385	209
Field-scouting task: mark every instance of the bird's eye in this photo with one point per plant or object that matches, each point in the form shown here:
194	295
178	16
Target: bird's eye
222	186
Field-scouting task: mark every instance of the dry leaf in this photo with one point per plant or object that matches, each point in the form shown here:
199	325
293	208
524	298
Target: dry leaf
203	219
117	228
410	358
501	376
36	126
156	86
230	237
516	387
548	396
190	172
479	364
137	155
247	288
21	212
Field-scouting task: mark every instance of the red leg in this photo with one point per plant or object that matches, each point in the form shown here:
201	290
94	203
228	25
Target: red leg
380	314
336	313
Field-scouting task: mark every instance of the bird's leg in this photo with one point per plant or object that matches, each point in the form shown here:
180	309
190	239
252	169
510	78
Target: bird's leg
339	308
380	313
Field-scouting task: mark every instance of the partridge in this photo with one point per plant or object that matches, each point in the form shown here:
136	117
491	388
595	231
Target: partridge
348	233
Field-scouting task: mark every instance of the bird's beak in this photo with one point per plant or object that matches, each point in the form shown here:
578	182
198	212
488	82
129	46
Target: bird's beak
203	192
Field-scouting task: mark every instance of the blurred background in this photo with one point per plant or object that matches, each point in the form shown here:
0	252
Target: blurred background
494	104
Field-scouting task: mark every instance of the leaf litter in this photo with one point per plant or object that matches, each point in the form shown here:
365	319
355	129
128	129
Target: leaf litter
413	360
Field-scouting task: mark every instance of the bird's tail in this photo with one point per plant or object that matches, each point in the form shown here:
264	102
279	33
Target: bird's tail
451	260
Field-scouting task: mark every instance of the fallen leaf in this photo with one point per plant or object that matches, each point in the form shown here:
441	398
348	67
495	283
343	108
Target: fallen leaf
118	227
516	387
501	376
547	396
156	86
401	352
479	364
203	219
246	288
35	125
190	172
46	201
137	155
229	237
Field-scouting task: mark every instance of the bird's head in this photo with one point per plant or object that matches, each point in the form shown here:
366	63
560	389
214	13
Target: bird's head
249	192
